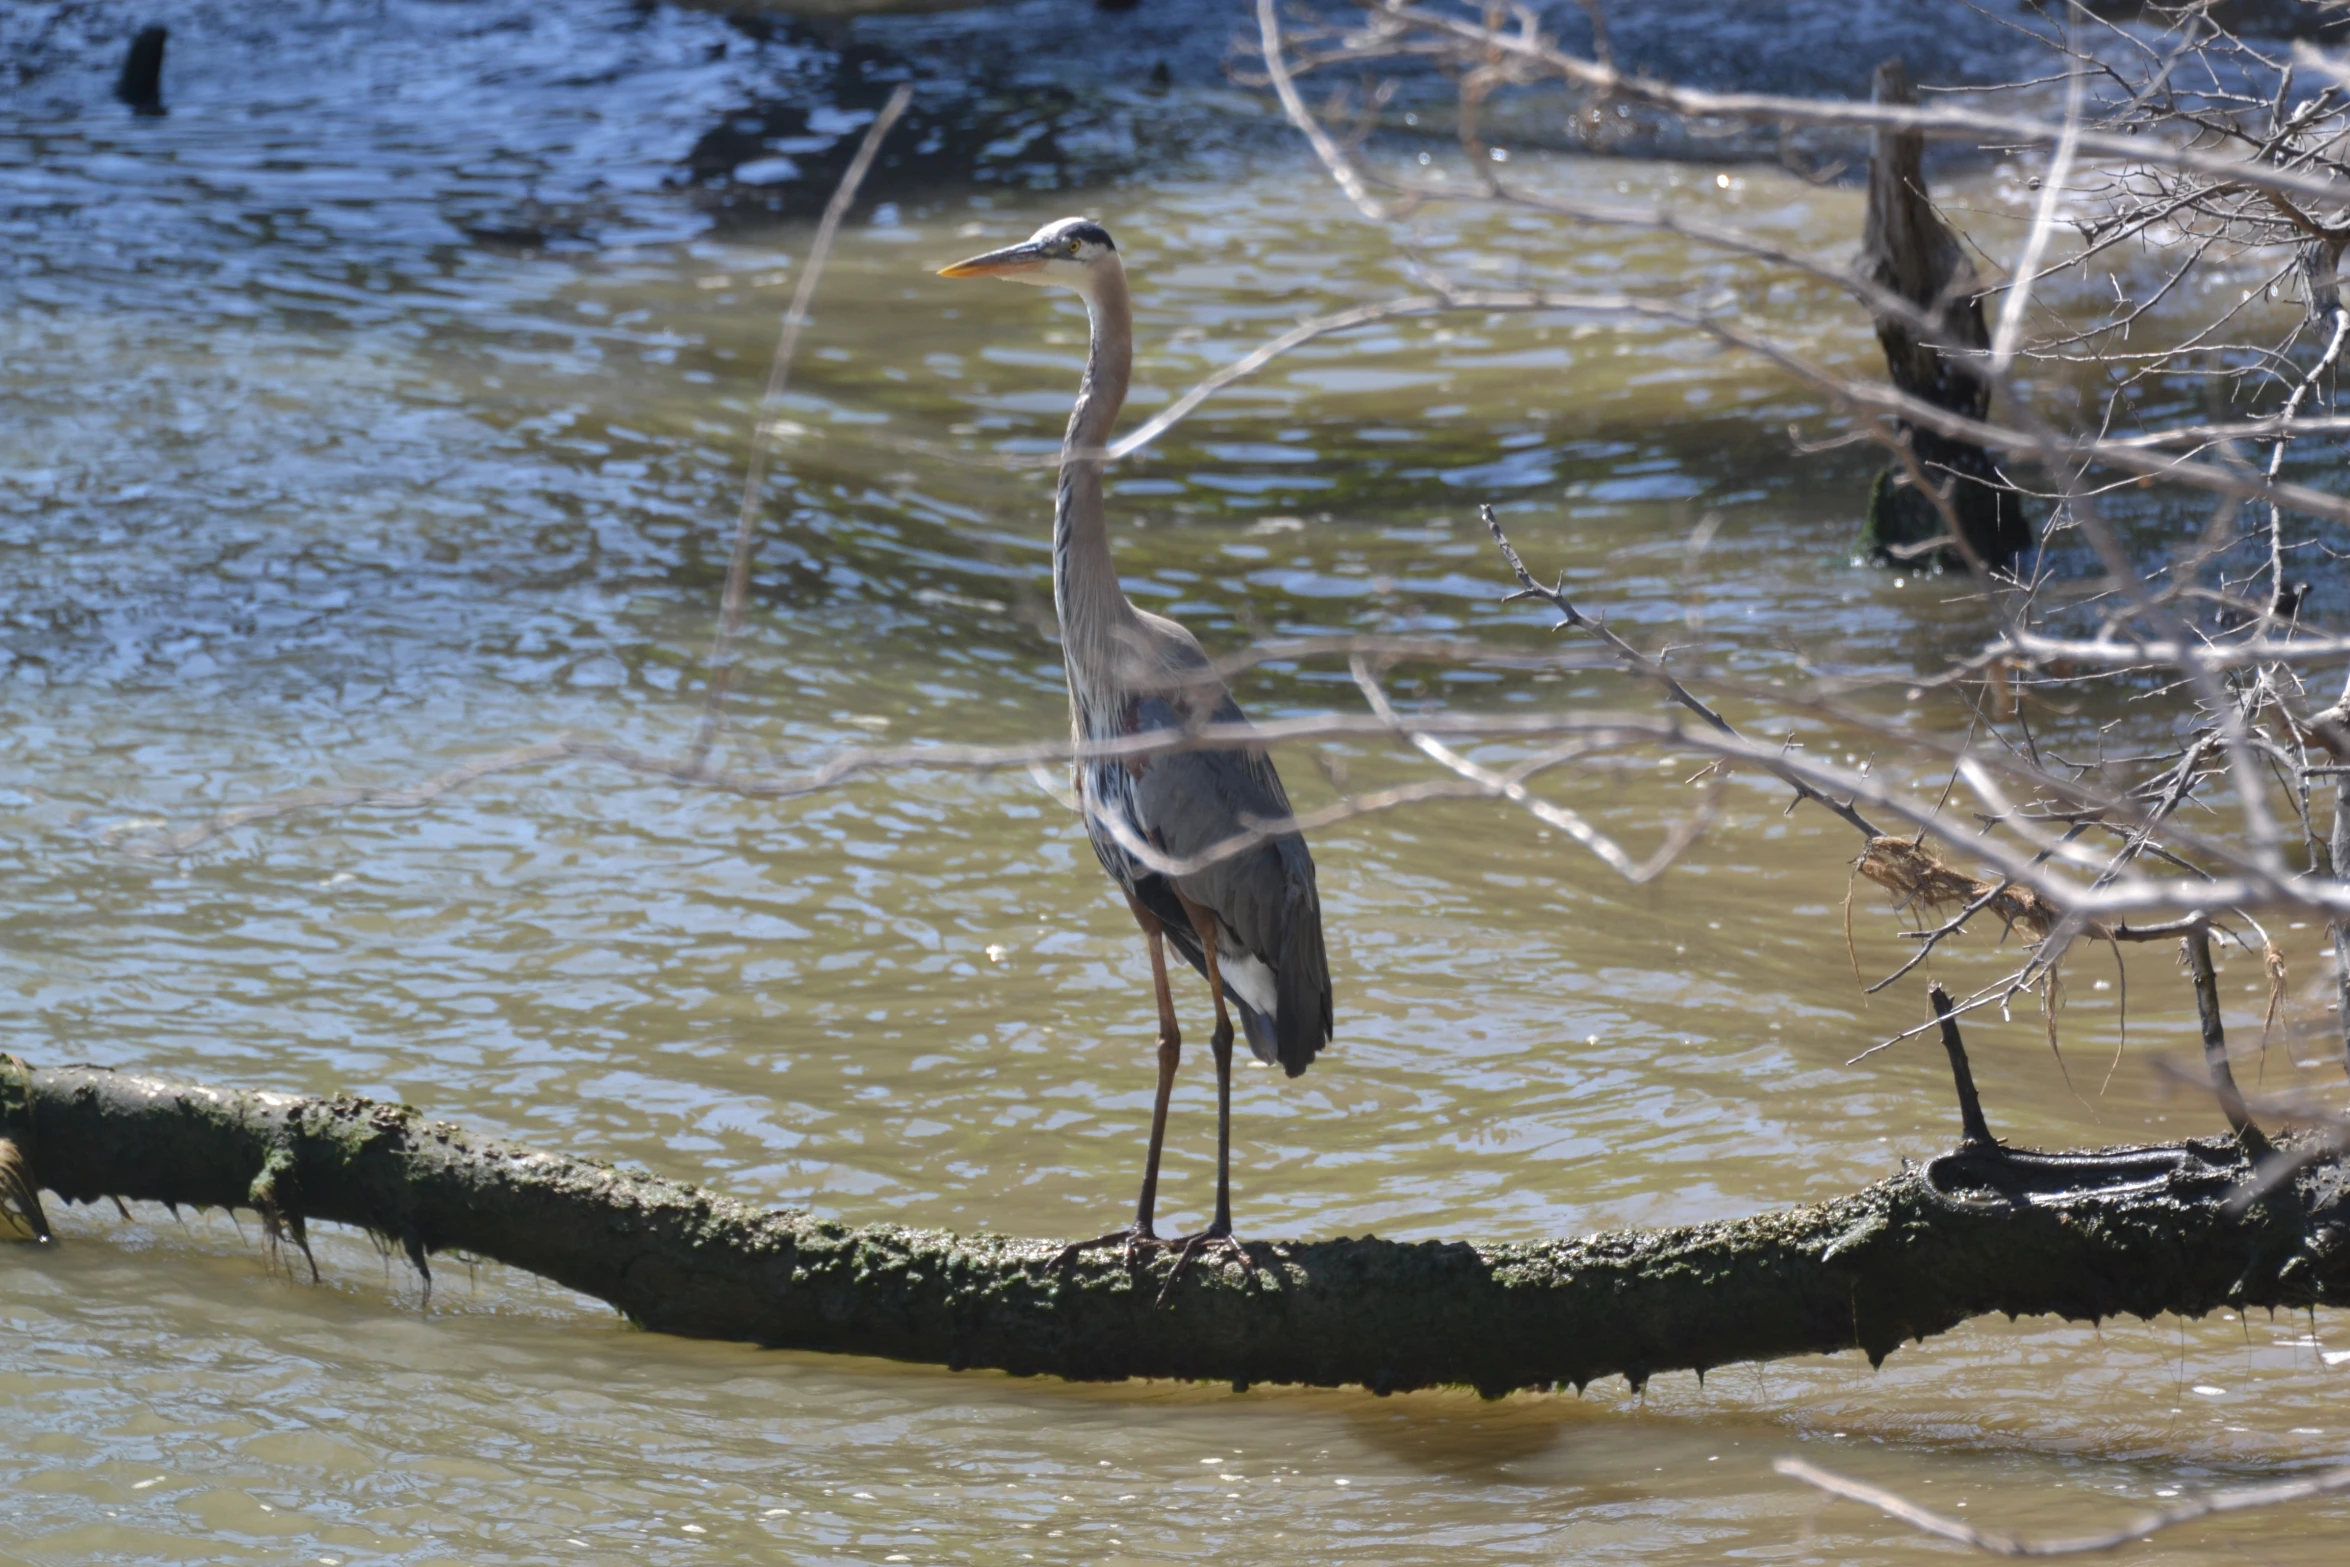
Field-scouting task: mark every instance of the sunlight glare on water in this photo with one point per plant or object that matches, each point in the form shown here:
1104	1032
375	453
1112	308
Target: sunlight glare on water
341	459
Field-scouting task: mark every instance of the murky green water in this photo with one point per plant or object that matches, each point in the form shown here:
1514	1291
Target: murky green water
304	481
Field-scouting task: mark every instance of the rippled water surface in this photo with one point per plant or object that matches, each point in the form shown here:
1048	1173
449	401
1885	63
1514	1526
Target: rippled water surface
385	406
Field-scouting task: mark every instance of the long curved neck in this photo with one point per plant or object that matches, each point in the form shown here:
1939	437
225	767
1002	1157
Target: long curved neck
1093	609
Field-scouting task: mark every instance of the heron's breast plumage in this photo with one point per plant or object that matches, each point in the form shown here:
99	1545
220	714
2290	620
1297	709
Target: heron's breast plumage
1105	785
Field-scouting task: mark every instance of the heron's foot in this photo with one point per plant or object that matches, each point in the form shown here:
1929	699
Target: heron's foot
1217	1238
1132	1242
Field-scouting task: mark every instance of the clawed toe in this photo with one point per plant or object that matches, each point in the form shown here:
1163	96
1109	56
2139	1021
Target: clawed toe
1191	1246
1131	1242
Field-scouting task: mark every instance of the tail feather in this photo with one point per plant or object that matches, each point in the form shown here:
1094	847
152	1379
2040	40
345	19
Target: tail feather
1261	1041
1303	981
1290	1036
1297	1028
1304	1023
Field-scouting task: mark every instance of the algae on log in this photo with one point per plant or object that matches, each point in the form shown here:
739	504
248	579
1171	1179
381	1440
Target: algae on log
1907	250
1968	1234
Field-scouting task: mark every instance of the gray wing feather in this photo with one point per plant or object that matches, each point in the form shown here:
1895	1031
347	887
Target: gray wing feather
1191	801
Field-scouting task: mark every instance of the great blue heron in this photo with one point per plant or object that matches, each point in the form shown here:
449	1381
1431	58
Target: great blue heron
1250	923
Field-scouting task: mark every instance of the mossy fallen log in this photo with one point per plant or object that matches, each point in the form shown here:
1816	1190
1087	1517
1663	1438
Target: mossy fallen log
2136	1231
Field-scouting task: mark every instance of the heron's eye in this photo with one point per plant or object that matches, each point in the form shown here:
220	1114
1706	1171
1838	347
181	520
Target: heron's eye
1075	245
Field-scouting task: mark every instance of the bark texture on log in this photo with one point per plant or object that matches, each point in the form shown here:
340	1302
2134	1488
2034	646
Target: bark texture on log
1971	1233
1907	249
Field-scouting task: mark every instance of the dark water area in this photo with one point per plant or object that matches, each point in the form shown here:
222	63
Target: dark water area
386	402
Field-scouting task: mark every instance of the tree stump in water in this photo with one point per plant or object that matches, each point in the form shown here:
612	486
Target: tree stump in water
1907	249
141	82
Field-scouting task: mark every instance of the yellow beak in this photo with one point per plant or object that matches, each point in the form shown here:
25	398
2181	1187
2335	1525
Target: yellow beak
1007	262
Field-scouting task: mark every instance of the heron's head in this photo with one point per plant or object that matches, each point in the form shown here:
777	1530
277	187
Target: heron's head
1074	253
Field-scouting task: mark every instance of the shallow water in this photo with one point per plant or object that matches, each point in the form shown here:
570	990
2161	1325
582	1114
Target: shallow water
374	416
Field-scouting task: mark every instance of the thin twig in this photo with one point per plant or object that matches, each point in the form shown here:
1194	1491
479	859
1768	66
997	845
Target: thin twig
1571	823
1641	664
2331	1482
2052	191
738	567
1341	165
1949	123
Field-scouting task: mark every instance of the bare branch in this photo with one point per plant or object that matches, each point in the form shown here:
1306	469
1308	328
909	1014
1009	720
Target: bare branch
2331	1482
1341	165
1940	124
2027	266
1647	668
1569	822
738	569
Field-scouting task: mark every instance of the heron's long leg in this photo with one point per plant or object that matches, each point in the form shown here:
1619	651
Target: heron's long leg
1218	1233
1221	1043
1170	1053
1141	1233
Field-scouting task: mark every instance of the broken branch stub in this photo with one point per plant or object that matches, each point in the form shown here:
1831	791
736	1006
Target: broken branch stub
1909	1256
